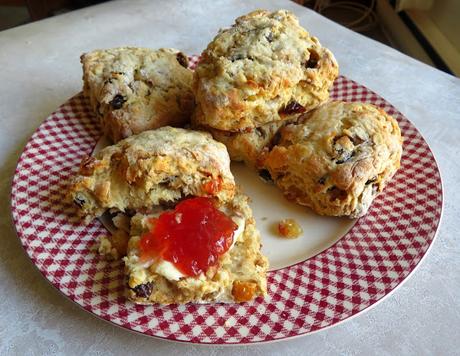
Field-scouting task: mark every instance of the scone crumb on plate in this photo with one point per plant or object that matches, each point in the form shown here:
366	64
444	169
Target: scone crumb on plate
289	228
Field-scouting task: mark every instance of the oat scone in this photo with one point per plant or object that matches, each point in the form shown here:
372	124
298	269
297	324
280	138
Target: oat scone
132	90
239	274
337	159
153	168
262	69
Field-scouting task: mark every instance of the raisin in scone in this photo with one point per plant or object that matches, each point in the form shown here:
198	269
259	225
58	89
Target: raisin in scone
201	251
337	159
153	168
263	69
137	89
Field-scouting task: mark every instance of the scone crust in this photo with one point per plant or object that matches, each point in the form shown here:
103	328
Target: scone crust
152	168
132	90
337	159
264	67
243	263
248	146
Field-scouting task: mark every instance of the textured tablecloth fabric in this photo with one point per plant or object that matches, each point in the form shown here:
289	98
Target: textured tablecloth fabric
41	70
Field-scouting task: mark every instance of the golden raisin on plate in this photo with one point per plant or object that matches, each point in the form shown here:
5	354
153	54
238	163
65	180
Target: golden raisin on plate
289	228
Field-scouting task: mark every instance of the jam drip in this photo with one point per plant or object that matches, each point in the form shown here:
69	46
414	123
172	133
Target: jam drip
192	236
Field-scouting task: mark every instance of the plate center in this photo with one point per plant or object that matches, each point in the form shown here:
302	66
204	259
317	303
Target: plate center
270	207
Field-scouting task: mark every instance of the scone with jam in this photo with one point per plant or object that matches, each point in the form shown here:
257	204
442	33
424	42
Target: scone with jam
187	233
137	89
202	250
337	158
155	168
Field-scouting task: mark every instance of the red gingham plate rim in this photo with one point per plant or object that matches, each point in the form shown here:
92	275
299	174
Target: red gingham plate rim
26	248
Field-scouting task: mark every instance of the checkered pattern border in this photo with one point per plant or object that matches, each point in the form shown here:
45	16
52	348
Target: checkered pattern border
371	260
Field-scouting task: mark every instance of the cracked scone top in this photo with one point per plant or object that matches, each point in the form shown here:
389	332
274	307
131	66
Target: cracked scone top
337	159
137	89
155	167
262	69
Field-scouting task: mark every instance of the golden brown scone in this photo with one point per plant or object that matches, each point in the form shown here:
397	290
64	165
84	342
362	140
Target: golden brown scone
240	274
262	69
132	90
153	168
247	146
337	159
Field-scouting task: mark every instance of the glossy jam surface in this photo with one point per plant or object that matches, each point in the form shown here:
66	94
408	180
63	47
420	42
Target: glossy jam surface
192	236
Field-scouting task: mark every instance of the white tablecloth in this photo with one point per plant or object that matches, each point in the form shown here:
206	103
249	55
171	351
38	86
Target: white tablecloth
40	69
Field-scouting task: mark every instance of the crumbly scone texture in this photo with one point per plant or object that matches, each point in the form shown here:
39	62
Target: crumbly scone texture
247	146
337	159
262	69
132	90
153	168
242	266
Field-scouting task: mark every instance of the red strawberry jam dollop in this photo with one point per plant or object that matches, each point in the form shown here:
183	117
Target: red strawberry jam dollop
192	236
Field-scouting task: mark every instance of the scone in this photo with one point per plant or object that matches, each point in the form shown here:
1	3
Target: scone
132	90
337	159
263	69
202	251
248	146
156	167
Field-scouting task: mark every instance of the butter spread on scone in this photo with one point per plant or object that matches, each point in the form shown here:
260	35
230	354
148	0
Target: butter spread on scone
264	68
154	168
137	89
337	159
166	268
161	266
237	275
